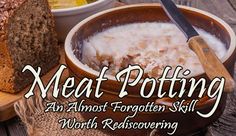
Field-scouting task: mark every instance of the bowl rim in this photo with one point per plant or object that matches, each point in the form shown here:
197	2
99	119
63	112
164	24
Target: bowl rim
83	7
70	55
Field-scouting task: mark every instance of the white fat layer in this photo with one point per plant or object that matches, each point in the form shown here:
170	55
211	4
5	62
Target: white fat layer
153	45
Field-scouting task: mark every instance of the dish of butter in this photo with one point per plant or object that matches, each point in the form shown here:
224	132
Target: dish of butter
60	4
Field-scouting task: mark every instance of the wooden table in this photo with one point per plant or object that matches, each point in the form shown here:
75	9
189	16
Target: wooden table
225	126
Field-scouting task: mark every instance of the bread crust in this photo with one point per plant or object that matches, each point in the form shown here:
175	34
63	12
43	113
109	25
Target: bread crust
7	8
6	69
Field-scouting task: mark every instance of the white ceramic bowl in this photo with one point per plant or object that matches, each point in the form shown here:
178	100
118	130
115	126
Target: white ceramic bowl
66	19
139	1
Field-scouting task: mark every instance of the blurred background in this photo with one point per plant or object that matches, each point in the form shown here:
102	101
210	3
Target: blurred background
181	2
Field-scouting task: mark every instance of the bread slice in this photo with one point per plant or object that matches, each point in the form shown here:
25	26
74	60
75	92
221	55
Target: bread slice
27	36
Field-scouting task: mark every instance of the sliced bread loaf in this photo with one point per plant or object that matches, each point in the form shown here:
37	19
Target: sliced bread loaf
27	36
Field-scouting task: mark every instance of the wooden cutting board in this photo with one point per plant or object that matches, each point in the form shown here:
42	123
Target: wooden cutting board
7	100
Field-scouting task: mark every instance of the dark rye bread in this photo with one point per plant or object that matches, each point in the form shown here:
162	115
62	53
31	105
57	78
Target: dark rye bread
27	36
